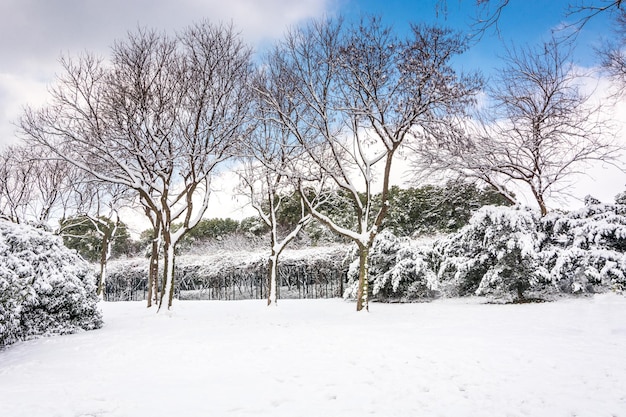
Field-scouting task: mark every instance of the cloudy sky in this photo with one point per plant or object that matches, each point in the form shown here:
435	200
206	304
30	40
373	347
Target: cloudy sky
34	33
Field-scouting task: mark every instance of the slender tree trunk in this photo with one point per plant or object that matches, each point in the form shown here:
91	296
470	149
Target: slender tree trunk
362	291
103	264
153	275
272	279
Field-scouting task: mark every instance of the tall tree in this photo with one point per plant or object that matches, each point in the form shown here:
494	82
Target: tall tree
158	119
356	94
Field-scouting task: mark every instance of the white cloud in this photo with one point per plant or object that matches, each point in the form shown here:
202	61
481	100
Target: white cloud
34	33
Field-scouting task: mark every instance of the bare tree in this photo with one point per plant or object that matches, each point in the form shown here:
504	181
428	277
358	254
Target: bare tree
540	130
355	95
159	119
266	179
490	11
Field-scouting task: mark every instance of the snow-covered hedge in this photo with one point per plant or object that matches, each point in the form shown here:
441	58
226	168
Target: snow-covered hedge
398	271
315	272
496	254
585	249
507	251
44	287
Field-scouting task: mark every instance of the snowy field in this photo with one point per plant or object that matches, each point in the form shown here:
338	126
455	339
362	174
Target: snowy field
321	358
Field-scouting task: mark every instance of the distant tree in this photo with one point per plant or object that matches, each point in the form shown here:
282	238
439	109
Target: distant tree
208	230
215	228
91	220
252	225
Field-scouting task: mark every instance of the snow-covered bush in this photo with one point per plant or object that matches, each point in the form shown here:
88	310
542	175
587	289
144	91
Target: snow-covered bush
585	249
496	254
397	271
44	287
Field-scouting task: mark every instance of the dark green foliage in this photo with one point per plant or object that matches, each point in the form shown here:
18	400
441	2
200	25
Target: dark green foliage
413	211
213	229
437	209
205	230
253	225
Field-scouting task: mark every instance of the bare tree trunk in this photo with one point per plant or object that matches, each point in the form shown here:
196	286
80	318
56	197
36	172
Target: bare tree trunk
272	280
153	275
103	265
168	272
540	201
362	297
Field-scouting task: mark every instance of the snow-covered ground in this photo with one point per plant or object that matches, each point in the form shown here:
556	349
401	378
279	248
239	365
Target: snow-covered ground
456	357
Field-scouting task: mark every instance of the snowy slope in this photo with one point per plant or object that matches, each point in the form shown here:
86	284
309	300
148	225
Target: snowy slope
455	357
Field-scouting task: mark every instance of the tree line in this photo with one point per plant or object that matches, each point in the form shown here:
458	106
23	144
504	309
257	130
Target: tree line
318	119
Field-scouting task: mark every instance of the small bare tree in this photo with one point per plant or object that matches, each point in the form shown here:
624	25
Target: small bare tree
266	179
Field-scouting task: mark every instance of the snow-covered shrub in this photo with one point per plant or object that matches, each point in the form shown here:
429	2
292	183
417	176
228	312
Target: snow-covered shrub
44	287
496	253
397	271
585	249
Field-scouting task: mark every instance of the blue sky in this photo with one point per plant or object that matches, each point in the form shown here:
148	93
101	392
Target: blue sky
522	22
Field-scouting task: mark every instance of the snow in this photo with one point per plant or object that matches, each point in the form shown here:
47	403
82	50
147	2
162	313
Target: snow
453	357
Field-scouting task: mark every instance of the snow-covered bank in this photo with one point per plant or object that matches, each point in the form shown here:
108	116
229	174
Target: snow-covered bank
455	357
